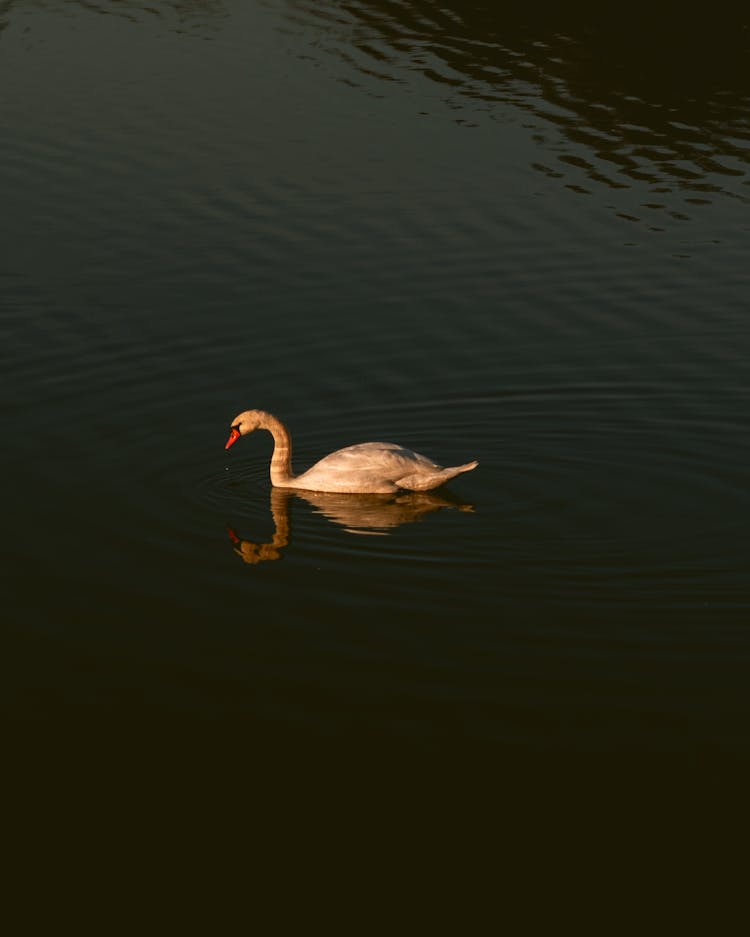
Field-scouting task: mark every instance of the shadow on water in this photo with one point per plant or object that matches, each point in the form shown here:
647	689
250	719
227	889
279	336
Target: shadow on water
357	513
616	98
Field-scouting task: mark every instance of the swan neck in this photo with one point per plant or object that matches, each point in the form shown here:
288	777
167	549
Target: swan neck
281	460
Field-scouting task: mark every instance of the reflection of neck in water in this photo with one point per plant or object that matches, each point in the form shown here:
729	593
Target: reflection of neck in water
357	514
253	553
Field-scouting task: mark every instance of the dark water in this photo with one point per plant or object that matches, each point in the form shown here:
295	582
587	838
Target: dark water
516	238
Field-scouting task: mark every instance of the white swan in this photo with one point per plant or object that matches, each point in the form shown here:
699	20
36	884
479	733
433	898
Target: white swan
371	467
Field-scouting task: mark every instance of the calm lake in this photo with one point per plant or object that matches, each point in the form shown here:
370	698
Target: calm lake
517	238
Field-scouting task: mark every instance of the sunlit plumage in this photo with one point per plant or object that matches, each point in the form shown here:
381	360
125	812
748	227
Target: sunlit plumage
371	467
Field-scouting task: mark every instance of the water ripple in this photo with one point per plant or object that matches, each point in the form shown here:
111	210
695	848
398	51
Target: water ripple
654	123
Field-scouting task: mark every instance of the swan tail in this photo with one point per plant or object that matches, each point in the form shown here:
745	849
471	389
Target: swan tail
421	482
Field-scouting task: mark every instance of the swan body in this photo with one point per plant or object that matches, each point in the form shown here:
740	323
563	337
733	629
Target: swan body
370	467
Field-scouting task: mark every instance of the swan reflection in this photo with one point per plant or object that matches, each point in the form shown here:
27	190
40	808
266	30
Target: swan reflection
374	514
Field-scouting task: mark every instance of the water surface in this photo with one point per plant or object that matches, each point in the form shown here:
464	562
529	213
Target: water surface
505	238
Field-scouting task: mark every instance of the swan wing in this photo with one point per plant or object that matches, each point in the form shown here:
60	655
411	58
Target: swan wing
372	466
425	480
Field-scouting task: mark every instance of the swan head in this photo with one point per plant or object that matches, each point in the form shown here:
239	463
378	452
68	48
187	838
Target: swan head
243	424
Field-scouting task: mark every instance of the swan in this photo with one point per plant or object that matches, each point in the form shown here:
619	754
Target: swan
370	467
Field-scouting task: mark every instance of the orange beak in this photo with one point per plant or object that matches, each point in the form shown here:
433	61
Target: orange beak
233	437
